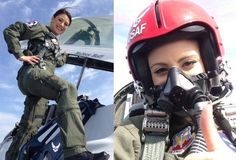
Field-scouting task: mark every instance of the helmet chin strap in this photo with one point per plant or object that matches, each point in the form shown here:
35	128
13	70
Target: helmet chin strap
208	52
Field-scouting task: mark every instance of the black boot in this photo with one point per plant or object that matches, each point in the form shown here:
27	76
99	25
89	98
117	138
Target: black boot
89	156
101	156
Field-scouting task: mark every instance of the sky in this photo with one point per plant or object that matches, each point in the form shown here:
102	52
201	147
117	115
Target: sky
95	84
125	12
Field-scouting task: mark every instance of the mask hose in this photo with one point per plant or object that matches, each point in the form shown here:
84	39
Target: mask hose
199	144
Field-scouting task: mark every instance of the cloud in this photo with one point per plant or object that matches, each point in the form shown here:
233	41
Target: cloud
215	8
87	7
120	60
66	69
7	123
18	10
27	11
6	86
125	14
12	103
74	6
68	72
72	73
3	4
73	3
223	18
18	107
90	74
103	92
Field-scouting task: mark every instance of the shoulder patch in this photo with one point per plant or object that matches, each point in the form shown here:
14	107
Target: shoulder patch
181	141
32	23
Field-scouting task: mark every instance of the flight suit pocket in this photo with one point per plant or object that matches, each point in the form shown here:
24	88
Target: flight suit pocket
34	73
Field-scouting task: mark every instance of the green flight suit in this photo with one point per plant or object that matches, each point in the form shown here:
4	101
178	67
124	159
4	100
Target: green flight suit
127	141
39	85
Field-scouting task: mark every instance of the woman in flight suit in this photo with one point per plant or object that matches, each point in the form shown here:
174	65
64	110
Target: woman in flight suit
36	80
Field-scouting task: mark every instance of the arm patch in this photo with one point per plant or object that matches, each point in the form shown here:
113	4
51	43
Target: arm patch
32	23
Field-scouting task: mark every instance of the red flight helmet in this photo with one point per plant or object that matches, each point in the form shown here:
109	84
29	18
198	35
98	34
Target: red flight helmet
167	20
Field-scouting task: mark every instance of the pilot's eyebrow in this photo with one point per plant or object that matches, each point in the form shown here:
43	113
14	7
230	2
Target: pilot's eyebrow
187	57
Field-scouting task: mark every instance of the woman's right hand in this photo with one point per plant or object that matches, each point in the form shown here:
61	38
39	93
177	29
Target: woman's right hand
217	149
30	59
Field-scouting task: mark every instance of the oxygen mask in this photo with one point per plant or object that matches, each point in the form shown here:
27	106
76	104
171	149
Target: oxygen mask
180	91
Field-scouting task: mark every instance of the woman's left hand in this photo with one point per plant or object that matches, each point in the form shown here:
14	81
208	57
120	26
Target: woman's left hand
30	59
